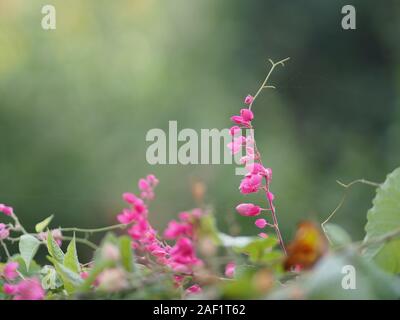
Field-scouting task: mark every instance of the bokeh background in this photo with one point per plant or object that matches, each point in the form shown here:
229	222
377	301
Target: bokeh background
76	104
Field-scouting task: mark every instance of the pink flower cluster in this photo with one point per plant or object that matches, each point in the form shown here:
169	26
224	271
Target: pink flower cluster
181	257
257	177
26	289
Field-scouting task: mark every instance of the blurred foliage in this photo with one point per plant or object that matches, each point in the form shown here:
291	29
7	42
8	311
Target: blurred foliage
77	102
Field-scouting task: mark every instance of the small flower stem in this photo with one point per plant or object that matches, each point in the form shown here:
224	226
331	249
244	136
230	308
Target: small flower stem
5	249
276	227
18	225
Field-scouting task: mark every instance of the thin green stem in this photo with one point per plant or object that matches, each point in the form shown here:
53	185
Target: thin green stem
264	84
347	187
83	241
5	249
95	230
18	225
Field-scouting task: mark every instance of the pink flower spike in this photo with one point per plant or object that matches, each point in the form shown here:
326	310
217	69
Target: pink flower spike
10	270
248	209
263	235
261	223
230	270
194	289
249	99
247	115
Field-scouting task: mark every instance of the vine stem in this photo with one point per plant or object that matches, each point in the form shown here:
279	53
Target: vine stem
83	241
5	249
95	230
347	187
258	155
264	84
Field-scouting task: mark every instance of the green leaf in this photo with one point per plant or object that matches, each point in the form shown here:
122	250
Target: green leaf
43	224
326	280
71	257
94	272
50	280
258	249
229	241
71	279
125	248
28	246
383	218
53	248
336	235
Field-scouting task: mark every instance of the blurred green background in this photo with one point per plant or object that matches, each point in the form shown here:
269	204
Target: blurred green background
77	102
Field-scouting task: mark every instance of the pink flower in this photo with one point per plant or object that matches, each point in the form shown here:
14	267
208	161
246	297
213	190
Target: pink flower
10	270
256	168
261	223
4	231
176	229
194	289
143	185
230	269
249	99
263	235
151	178
129	197
236	144
183	256
84	275
56	233
127	216
247	115
234	130
270	196
27	289
8	211
146	186
251	183
9	289
244	119
248	209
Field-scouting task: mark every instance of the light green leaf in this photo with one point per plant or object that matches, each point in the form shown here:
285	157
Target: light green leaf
43	224
257	249
125	248
229	241
53	248
384	218
326	281
71	257
71	279
50	279
336	235
28	246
